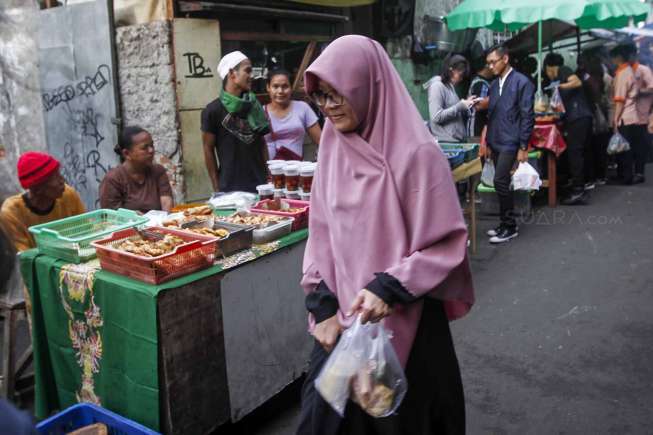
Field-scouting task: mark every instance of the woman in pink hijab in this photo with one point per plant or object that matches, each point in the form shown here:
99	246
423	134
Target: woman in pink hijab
387	241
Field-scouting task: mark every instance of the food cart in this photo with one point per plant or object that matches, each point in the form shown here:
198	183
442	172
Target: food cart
180	356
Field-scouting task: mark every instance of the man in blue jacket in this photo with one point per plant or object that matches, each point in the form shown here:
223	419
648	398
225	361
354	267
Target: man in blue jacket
510	123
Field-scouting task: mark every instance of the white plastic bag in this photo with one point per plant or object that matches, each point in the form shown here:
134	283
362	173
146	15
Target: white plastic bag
487	176
526	178
232	200
155	218
618	144
363	367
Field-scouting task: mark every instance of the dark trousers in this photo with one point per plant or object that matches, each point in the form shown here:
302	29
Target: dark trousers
503	164
596	158
635	159
578	134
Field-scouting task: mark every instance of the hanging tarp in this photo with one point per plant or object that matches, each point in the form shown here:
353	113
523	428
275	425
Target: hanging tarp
552	30
336	3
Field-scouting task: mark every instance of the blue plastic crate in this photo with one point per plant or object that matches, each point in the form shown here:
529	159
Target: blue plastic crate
456	158
84	414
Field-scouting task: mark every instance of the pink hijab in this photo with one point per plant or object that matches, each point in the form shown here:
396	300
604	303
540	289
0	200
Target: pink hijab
383	198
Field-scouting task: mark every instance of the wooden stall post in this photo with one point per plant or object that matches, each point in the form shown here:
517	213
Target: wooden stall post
306	60
552	170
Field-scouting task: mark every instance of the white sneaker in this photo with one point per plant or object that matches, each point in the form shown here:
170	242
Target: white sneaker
495	231
504	235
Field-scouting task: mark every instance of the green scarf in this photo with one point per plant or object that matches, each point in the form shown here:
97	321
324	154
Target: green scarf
247	107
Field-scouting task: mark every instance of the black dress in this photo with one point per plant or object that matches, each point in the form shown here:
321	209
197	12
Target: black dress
434	403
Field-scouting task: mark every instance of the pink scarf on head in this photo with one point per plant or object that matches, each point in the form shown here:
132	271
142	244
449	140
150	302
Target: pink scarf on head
383	198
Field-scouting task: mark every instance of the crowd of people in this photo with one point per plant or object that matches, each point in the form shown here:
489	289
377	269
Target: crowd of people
607	93
379	170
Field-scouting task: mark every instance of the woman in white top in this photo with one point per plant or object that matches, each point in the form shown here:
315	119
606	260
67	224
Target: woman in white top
290	120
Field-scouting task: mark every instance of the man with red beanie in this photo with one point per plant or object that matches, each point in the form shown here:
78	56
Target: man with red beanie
47	198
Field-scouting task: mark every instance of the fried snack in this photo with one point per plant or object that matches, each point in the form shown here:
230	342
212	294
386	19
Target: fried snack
151	248
202	210
379	401
541	107
171	223
220	233
258	220
373	397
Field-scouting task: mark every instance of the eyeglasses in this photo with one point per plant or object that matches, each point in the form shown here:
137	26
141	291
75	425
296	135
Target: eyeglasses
322	99
494	62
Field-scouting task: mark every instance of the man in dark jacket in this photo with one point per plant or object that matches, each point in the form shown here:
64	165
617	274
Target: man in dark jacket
510	123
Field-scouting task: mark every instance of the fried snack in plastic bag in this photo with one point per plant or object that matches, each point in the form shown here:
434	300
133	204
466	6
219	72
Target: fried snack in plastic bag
557	105
363	367
618	144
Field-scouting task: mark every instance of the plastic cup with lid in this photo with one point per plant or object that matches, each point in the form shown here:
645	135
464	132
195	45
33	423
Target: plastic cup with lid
305	196
265	191
306	174
292	194
291	173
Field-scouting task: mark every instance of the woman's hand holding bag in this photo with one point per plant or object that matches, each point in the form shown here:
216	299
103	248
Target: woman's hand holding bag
371	307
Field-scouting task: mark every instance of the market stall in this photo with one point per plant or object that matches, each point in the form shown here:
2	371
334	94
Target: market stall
154	352
466	167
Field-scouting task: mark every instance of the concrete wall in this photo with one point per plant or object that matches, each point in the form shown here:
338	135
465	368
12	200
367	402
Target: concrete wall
148	94
415	75
21	121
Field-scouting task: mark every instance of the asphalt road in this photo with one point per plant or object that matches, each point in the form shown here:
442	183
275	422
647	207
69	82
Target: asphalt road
560	340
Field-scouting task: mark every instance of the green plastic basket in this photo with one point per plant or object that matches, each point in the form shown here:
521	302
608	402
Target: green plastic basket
70	238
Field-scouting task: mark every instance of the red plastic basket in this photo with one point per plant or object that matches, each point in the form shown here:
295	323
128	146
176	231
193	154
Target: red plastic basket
197	254
301	217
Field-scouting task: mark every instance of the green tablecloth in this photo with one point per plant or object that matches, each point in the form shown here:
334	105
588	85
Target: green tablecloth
95	333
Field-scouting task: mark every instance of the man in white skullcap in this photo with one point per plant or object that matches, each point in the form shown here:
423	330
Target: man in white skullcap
233	125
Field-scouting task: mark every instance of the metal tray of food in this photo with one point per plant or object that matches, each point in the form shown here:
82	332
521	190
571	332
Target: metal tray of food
266	227
239	237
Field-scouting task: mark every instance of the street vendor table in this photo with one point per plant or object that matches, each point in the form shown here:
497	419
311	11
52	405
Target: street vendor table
549	138
181	357
467	171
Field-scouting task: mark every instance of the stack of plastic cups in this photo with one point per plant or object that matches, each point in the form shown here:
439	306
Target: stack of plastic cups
277	174
291	173
306	173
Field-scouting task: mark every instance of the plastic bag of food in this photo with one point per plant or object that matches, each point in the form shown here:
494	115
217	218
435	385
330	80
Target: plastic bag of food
618	144
363	367
541	103
526	178
487	175
557	105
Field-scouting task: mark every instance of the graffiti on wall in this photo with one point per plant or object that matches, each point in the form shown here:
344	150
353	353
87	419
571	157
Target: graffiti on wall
86	156
87	87
78	94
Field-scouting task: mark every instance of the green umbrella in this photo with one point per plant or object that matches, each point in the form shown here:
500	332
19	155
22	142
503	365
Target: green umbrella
501	15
